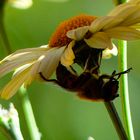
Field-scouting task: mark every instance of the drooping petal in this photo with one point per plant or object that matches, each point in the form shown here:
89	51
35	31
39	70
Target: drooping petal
78	33
107	53
132	19
136	26
137	2
99	40
20	58
50	62
104	23
68	57
11	88
123	10
34	71
124	33
41	48
21	69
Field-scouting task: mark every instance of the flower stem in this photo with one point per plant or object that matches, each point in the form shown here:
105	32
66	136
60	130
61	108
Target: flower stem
124	90
116	120
30	120
3	35
29	115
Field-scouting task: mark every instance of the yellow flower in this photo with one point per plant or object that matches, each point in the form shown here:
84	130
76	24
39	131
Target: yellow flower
121	23
30	62
97	32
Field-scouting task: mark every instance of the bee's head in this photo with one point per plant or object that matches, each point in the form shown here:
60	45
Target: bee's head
110	89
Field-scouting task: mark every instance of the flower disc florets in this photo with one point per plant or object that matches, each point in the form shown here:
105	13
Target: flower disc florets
59	38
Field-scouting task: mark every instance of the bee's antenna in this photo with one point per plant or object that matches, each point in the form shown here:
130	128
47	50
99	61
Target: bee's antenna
123	72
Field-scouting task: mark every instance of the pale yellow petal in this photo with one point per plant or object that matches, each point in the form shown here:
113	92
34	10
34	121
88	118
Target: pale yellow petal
50	62
136	26
107	53
137	2
103	23
99	40
123	33
20	58
41	48
78	33
132	19
21	69
68	53
33	71
11	88
68	56
123	10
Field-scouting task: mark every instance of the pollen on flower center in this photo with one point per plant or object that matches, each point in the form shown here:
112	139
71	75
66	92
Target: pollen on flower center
59	37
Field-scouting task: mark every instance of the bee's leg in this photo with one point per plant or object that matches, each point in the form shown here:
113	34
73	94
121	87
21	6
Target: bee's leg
94	69
71	70
86	63
100	58
96	63
48	80
113	73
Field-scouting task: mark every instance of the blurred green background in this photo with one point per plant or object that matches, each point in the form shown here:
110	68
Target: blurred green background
59	114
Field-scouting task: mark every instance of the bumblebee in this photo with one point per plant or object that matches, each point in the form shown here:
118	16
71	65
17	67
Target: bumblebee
88	85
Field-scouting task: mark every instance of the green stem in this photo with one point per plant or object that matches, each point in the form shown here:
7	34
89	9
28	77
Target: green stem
30	120
124	90
3	34
29	115
124	86
116	120
6	133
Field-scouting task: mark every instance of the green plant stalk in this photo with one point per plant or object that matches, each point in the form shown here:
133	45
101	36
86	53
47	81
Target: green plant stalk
29	115
3	34
124	85
32	127
124	90
116	120
6	133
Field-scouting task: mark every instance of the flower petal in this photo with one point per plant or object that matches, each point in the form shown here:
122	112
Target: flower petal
78	33
104	23
41	48
51	61
20	58
132	19
21	69
123	10
136	26
11	88
137	2
124	33
68	57
99	40
34	71
107	53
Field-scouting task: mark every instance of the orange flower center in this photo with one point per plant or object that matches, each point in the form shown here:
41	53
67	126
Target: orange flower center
59	37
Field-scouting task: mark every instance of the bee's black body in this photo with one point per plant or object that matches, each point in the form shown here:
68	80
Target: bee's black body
87	85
